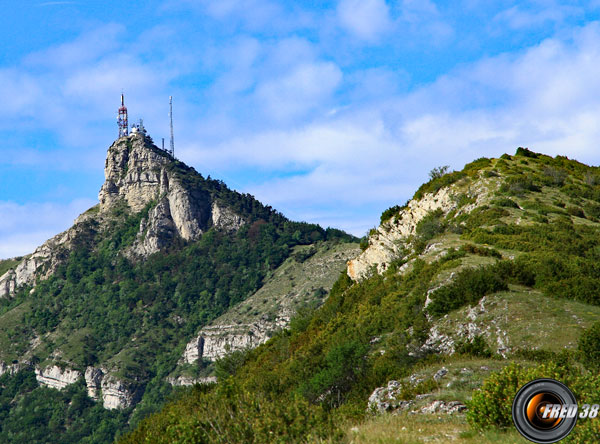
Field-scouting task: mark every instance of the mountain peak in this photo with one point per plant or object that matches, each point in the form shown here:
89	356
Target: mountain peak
135	171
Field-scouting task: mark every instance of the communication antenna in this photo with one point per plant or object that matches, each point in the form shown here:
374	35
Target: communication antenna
171	119
122	120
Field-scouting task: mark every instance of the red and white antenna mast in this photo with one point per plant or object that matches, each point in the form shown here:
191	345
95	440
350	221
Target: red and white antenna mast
122	120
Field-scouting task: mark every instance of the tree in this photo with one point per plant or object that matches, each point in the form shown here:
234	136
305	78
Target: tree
438	172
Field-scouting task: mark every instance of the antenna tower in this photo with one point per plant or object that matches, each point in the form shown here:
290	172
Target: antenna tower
171	119
122	120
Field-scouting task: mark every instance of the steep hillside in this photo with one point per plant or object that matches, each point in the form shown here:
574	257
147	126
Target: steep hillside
103	311
493	265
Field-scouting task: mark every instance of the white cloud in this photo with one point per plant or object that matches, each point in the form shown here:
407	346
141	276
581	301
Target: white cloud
367	19
305	87
254	15
23	227
368	157
520	17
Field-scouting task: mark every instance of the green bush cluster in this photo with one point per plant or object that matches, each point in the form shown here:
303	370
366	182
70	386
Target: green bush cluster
519	185
477	347
589	347
387	214
230	414
427	228
481	251
504	202
438	182
467	287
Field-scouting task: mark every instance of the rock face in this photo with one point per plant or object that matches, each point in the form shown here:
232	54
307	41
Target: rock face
118	394
390	238
93	381
44	260
140	175
11	369
113	392
214	342
55	377
225	219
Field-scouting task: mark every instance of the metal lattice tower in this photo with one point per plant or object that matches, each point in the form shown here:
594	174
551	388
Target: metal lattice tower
171	119
122	120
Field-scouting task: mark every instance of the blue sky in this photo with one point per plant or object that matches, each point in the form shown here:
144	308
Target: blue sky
329	111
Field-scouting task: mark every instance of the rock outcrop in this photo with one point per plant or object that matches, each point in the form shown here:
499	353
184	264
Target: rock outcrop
101	385
188	380
385	399
44	260
141	176
119	394
56	377
11	369
93	381
390	239
216	341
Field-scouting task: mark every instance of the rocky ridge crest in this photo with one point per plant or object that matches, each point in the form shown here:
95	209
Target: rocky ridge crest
391	240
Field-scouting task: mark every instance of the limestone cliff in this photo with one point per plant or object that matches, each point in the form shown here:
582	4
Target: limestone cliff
56	377
392	238
141	175
44	260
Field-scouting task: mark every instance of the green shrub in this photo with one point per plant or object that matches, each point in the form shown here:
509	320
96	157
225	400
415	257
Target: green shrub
592	210
589	347
525	152
439	182
467	288
463	199
427	228
504	202
477	165
387	214
481	251
491	405
344	364
438	172
575	211
477	347
554	176
518	185
231	414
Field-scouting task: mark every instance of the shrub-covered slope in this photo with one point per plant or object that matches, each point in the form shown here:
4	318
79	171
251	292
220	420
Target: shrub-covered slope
474	266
